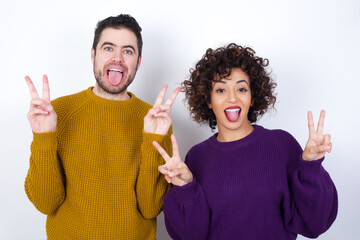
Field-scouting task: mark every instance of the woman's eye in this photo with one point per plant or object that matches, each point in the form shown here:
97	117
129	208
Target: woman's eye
242	90
220	90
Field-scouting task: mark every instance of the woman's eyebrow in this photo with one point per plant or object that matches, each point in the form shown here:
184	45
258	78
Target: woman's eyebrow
240	81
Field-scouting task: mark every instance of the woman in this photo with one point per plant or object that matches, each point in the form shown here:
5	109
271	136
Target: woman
245	182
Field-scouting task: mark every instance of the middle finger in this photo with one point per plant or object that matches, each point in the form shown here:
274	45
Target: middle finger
172	97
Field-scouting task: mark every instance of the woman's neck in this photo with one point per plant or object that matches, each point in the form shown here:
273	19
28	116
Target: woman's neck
230	135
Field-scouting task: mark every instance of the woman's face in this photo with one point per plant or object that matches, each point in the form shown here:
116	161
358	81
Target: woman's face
230	101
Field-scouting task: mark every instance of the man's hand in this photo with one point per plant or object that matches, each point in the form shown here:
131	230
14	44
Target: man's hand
158	119
42	116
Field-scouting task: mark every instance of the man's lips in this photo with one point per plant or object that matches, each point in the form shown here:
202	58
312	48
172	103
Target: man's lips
115	67
232	113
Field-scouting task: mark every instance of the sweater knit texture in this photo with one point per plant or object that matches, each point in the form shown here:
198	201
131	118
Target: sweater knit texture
254	188
96	176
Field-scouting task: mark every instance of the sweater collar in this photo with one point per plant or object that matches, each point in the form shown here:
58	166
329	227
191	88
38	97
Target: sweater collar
111	103
226	146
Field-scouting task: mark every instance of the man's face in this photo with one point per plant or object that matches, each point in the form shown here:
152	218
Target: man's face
115	61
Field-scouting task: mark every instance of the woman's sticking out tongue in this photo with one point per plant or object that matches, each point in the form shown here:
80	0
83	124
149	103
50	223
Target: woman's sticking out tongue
232	114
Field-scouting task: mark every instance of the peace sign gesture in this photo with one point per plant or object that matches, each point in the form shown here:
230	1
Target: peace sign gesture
318	143
42	116
158	119
175	170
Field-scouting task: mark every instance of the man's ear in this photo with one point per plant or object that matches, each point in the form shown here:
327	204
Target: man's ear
92	55
139	62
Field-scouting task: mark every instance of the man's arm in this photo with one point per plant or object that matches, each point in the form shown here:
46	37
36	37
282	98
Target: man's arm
151	186
44	183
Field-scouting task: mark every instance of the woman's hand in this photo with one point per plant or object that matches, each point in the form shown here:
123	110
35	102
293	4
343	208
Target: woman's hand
158	119
174	170
318	143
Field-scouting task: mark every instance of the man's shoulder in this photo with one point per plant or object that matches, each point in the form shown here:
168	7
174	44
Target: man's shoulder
141	104
67	103
70	97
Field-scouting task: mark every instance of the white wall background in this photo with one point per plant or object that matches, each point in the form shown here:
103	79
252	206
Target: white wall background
312	45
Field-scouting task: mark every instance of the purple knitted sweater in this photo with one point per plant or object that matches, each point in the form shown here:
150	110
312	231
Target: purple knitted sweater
257	187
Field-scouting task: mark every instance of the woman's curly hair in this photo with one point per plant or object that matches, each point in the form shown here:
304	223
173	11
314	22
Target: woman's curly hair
218	64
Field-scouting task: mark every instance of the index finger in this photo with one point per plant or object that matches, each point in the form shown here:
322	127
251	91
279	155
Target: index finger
32	89
46	88
162	152
175	146
160	97
172	97
310	123
320	125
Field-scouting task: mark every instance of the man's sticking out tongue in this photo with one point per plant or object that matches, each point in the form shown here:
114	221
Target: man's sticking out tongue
232	114
115	77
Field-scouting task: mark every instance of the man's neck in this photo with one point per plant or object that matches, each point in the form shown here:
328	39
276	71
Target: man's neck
98	91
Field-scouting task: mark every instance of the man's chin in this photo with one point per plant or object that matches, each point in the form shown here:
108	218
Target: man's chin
113	90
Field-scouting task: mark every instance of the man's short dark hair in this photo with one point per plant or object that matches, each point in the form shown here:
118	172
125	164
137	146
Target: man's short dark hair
118	22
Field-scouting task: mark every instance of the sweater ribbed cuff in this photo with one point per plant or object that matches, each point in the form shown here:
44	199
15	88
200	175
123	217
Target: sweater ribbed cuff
310	169
148	138
44	140
150	152
186	192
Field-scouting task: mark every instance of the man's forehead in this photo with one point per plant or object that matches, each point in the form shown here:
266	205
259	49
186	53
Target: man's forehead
118	37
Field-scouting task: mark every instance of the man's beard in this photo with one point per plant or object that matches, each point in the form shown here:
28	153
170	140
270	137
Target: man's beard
115	91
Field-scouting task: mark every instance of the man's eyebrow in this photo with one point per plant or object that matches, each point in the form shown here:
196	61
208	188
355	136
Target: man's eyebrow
129	46
108	43
114	45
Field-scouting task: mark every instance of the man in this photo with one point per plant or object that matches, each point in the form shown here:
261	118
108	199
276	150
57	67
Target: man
93	169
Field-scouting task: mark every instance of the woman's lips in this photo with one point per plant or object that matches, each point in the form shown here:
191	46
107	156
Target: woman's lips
232	113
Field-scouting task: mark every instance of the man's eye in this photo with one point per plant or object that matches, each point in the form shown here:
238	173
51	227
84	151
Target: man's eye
108	48
128	52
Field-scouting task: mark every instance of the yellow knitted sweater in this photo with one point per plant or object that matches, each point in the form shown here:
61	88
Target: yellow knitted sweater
96	177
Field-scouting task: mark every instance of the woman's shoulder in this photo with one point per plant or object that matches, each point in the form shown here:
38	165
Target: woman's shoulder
201	146
280	138
275	133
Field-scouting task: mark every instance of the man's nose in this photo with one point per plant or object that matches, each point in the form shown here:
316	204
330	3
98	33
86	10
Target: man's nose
118	56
